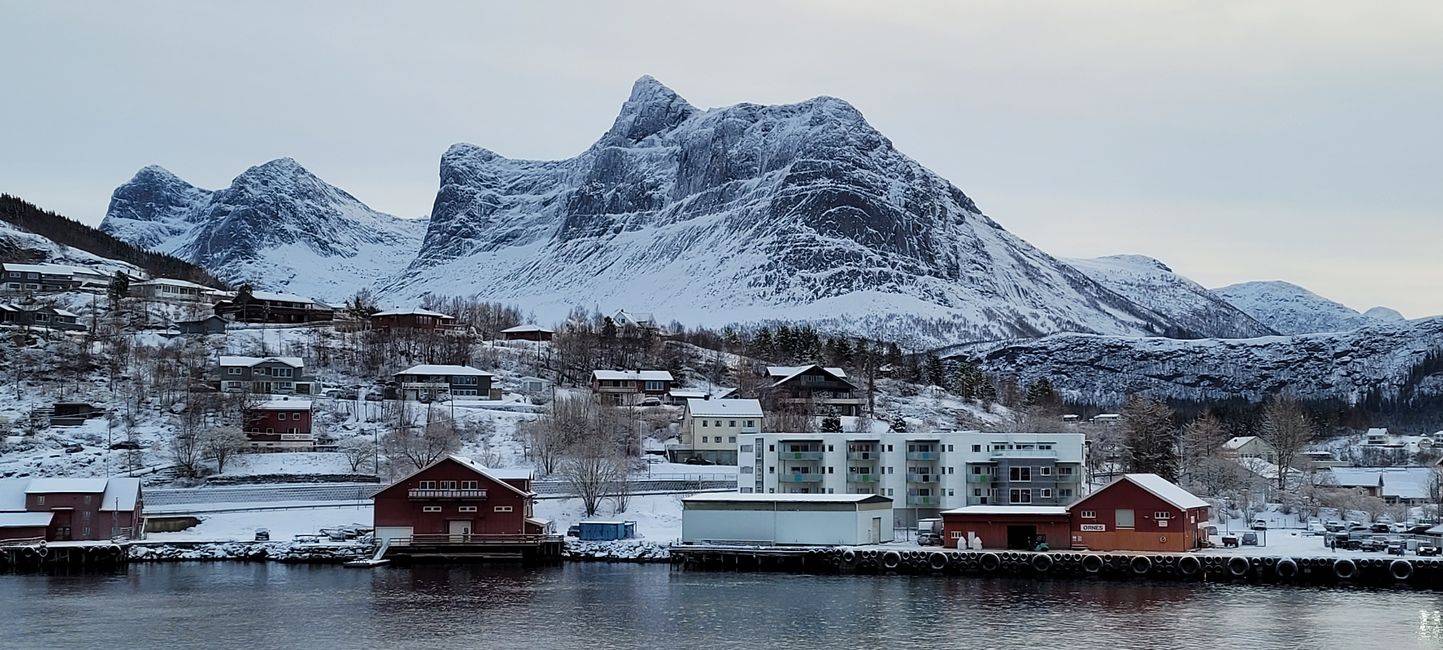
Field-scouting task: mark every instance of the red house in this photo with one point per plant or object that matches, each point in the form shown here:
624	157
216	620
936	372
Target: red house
280	425
415	319
1139	512
527	333
1018	528
456	501
629	387
65	509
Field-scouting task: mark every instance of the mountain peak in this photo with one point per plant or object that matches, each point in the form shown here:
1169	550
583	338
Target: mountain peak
651	108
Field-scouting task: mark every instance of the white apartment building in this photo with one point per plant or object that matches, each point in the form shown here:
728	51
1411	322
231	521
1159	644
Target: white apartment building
924	473
711	429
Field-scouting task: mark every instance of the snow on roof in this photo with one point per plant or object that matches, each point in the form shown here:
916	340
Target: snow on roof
525	328
444	370
12	493
787	373
1238	442
26	519
498	476
53	269
634	375
1166	490
1008	510
121	495
172	282
274	296
724	407
1411	483
736	497
294	362
510	473
413	312
607	522
283	405
59	485
687	393
62	312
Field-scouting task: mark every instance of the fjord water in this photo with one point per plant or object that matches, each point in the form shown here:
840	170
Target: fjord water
593	606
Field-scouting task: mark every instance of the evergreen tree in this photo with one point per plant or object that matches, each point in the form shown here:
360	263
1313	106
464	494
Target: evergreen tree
118	289
1041	393
1149	437
831	424
936	374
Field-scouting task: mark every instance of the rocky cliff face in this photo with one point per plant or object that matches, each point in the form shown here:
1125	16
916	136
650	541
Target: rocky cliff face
1172	297
276	226
1290	309
748	213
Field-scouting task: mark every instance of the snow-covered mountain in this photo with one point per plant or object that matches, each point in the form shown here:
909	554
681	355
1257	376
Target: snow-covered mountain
1389	361
20	245
277	227
1385	314
1174	298
747	213
1290	309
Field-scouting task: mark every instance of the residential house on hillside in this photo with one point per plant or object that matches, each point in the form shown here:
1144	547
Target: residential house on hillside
49	278
203	327
434	381
1249	447
630	387
269	375
1406	485
813	390
527	333
641	321
710	429
54	318
412	319
457	501
170	289
280	425
65	509
271	307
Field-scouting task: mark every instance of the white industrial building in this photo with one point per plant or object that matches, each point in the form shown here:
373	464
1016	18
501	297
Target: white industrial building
786	519
924	472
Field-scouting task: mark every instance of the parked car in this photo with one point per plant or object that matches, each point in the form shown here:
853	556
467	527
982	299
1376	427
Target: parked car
574	530
1381	528
1334	527
1420	529
1260	524
126	444
651	401
1250	539
375	396
74	449
1425	550
263	535
1396	548
1353	525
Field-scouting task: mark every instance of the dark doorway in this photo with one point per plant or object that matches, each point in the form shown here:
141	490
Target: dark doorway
1021	538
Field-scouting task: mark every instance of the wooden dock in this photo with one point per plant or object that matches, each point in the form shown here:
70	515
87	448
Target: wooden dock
39	555
452	549
1415	572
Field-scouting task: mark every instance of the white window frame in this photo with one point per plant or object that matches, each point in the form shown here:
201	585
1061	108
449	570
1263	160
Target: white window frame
430	508
502	509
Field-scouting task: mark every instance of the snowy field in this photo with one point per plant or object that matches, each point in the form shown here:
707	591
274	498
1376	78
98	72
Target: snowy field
657	517
291	463
284	525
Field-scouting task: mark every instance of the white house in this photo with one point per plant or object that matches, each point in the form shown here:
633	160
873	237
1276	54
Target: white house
1250	447
710	429
786	519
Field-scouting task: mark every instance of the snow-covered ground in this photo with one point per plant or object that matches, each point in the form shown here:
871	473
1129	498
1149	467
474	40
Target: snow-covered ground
291	463
283	525
657	517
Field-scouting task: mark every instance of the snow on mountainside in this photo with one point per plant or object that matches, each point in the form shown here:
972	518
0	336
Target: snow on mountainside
1392	359
1291	309
23	246
1385	314
747	213
277	226
1174	298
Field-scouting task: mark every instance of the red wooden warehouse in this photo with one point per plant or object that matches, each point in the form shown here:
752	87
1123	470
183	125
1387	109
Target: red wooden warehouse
1139	512
455	501
1011	527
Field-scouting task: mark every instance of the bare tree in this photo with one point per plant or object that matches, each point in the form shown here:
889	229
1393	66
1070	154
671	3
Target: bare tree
1150	437
592	470
1287	428
417	446
551	435
220	443
357	451
1202	439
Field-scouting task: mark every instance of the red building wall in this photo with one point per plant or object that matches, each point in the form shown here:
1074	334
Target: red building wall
262	419
81	514
992	529
394	507
24	533
1178	533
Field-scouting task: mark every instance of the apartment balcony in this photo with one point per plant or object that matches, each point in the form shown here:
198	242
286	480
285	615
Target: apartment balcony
927	501
1024	453
799	455
981	478
864	455
862	478
419	494
924	478
924	455
799	477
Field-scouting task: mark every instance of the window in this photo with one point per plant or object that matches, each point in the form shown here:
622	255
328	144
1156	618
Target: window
771	447
1020	495
746	469
1045	471
1124	518
718	423
232	371
87	502
430	508
85	515
1162	515
1046	493
703	424
1089	514
448	485
731	423
468	485
1064	471
1064	493
655	385
750	423
501	509
746	490
977	492
949	492
731	438
746	449
466	509
949	447
281	416
426	485
704	439
1020	474
956	534
771	470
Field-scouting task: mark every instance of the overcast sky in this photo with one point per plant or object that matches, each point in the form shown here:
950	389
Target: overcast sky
1238	141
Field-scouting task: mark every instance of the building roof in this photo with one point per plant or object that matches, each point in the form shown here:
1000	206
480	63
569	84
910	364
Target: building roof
274	296
294	362
413	312
1158	487
497	476
1411	483
1238	442
633	375
526	328
63	312
201	320
25	519
64	485
1008	510
52	269
444	370
283	405
724	407
172	282
12	494
790	371
737	497
121	495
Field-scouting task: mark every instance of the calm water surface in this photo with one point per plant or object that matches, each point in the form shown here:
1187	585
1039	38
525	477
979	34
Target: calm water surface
236	605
